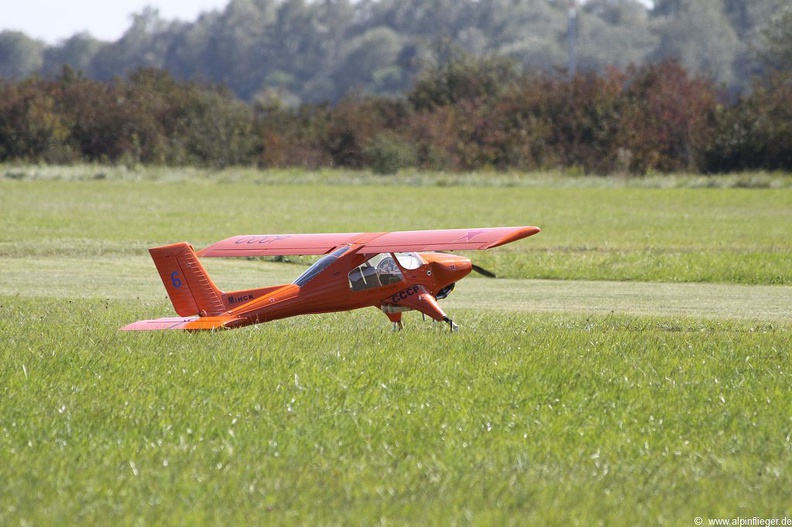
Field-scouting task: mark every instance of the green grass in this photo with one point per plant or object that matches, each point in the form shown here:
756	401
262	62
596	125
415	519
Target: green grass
558	402
623	233
517	419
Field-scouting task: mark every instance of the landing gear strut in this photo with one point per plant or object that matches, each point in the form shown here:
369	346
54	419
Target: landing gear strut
451	324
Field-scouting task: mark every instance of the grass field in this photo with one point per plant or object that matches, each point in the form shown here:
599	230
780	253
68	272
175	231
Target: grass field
631	366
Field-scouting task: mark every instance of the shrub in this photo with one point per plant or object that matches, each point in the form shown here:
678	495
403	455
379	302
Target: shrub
667	118
756	132
388	152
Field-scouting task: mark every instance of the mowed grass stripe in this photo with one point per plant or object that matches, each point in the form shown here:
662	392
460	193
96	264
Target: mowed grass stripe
136	278
636	298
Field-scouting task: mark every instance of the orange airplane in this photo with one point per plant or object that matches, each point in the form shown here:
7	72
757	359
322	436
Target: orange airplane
388	270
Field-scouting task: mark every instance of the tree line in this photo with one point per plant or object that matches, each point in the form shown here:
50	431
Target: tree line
466	113
301	51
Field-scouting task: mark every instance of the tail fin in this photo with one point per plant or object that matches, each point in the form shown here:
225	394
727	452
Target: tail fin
189	287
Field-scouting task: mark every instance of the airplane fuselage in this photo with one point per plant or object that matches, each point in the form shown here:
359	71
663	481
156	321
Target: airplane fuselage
331	290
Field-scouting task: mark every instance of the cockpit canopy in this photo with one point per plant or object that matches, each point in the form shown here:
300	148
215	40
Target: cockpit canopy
320	266
378	271
382	269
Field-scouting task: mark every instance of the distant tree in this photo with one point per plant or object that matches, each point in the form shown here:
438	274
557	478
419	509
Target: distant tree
458	76
665	8
614	33
750	20
776	52
310	51
618	12
428	19
335	24
20	55
189	51
294	45
530	32
370	63
699	35
76	52
141	46
747	18
235	51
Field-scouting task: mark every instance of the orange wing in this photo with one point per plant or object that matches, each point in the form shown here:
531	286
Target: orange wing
278	244
447	240
371	243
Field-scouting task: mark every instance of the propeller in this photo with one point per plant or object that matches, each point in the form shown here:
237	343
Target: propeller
444	292
480	270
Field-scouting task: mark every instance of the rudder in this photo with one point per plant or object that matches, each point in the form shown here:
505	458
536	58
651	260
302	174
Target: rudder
189	287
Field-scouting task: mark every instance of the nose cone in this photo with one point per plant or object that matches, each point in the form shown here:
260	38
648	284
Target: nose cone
449	268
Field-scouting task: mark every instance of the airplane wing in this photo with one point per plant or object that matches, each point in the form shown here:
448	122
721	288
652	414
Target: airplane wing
370	243
447	239
278	244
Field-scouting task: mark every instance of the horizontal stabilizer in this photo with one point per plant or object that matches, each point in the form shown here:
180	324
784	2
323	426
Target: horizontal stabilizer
188	323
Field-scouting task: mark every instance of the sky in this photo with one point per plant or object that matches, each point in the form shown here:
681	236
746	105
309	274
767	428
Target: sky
55	20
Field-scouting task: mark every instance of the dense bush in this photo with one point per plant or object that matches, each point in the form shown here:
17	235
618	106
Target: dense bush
468	115
666	118
389	152
756	133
